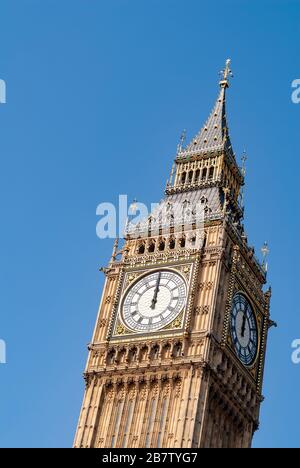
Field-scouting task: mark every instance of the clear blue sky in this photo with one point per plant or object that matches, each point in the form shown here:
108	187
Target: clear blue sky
98	93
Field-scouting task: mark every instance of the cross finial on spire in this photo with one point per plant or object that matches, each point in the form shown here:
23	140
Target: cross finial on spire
226	73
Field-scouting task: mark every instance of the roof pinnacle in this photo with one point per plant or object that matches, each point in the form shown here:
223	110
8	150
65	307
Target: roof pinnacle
244	159
182	140
265	252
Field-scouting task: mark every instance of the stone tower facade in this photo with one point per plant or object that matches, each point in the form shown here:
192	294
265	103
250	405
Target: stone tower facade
177	355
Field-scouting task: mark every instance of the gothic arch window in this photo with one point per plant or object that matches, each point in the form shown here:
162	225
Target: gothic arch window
132	356
172	243
141	248
144	353
182	242
111	357
190	176
166	351
151	247
197	175
183	177
155	352
122	355
211	172
161	245
204	173
193	240
177	351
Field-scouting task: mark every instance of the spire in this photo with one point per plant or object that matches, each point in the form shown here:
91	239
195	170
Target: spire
214	136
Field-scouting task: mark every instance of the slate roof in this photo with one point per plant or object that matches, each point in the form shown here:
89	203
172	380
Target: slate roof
214	135
210	197
207	202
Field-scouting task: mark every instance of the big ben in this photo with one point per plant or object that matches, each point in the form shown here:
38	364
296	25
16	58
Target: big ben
177	355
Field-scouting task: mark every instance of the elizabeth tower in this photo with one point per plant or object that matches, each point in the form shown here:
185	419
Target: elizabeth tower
177	355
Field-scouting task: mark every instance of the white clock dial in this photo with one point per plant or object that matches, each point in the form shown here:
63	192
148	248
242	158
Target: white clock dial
154	301
244	330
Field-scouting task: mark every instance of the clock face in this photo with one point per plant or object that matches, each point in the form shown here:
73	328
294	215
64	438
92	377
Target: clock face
244	330
154	301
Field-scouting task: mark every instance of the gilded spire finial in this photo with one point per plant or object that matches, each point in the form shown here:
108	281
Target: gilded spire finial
226	73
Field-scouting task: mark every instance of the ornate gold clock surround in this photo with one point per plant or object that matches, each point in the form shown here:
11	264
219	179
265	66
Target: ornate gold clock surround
132	274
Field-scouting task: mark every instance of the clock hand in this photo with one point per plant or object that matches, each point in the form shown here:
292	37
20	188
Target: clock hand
243	326
154	300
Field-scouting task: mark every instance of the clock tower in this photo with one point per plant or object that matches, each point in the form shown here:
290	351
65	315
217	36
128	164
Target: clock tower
178	351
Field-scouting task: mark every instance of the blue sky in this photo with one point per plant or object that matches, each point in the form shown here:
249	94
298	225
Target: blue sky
98	93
